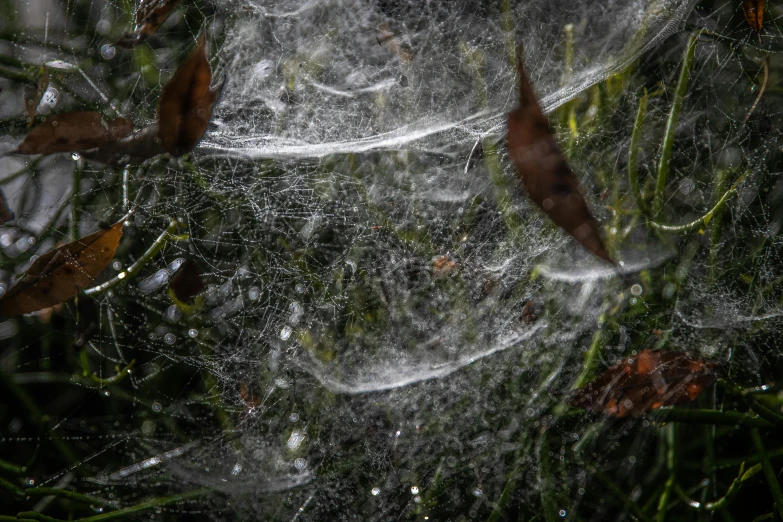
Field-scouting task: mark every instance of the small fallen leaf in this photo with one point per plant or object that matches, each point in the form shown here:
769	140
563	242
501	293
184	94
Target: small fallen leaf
5	212
646	381
33	95
443	266
186	284
754	13
186	102
61	273
72	132
549	181
150	15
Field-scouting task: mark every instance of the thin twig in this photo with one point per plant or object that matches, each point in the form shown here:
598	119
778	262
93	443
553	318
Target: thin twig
135	268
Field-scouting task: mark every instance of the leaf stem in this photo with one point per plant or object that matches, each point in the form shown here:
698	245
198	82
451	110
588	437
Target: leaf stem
731	418
633	154
135	268
664	164
772	479
706	218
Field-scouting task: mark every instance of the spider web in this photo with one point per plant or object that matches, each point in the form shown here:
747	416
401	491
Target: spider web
387	322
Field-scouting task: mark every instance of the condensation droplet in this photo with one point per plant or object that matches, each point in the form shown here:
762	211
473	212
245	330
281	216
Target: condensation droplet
293	417
105	392
103	27
108	51
254	293
285	333
633	300
236	469
174	314
477	492
75	156
295	440
636	289
300	288
117	265
562	513
414	490
170	338
156	407
29	482
193	333
300	463
376	491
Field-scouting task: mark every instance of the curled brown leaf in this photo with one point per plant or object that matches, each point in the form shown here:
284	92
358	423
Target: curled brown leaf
61	273
187	283
754	13
549	181
72	132
187	101
150	15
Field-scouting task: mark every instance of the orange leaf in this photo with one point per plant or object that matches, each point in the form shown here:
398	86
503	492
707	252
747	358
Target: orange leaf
61	273
649	380
546	174
754	13
73	131
186	102
149	16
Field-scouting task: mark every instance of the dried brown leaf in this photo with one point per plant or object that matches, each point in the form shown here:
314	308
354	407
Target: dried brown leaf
186	102
61	273
187	283
72	132
754	13
5	212
549	181
33	95
646	381
150	15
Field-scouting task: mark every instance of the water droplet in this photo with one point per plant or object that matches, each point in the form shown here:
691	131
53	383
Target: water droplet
254	293
414	490
3	288
293	417
103	27
156	407
116	265
31	240
285	333
105	392
108	51
562	513
236	469
193	333
633	300
300	463
48	101
170	338
121	275
174	314
75	156
300	288
29	482
460	210
477	492
97	509
295	440
636	289
376	491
